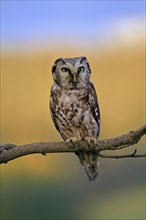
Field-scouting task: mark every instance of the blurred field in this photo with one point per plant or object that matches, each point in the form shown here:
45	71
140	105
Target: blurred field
55	186
119	77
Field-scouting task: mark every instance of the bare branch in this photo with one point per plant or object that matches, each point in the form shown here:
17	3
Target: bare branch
133	155
11	151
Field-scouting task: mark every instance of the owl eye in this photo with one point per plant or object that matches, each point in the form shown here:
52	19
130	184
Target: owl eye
81	69
64	69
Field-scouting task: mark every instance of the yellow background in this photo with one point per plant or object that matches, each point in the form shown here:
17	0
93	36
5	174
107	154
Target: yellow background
55	186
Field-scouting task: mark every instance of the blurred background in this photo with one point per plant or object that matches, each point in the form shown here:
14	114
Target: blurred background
112	36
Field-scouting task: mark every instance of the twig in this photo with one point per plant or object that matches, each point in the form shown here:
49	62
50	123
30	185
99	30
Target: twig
133	155
10	151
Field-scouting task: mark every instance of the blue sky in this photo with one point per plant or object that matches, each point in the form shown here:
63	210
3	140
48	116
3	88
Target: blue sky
23	21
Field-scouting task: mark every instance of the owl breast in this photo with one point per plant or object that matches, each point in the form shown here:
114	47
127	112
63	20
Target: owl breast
72	113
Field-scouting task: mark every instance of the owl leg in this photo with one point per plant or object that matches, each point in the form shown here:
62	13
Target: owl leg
90	139
72	139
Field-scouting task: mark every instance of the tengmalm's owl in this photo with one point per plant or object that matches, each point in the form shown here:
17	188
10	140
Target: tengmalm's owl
74	107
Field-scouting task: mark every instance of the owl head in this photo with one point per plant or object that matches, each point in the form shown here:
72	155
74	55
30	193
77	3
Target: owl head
71	73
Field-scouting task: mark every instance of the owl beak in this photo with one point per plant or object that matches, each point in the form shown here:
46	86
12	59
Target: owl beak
75	77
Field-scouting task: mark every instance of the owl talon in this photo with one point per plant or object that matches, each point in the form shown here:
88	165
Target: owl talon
90	139
72	139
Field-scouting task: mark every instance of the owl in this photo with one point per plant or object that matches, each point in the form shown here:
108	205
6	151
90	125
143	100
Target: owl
74	107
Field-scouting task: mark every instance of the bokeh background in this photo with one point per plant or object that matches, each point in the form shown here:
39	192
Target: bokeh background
35	33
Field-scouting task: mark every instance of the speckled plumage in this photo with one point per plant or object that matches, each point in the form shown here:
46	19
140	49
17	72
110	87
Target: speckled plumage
74	106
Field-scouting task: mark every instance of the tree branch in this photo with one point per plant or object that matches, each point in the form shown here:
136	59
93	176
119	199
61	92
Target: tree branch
133	155
10	152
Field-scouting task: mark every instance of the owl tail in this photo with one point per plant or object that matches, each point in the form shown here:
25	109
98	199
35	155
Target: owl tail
90	163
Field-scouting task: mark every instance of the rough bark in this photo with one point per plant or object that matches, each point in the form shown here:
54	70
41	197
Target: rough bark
10	152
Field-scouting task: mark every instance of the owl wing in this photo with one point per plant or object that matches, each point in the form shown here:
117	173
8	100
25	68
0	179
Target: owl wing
93	102
53	115
89	160
53	105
